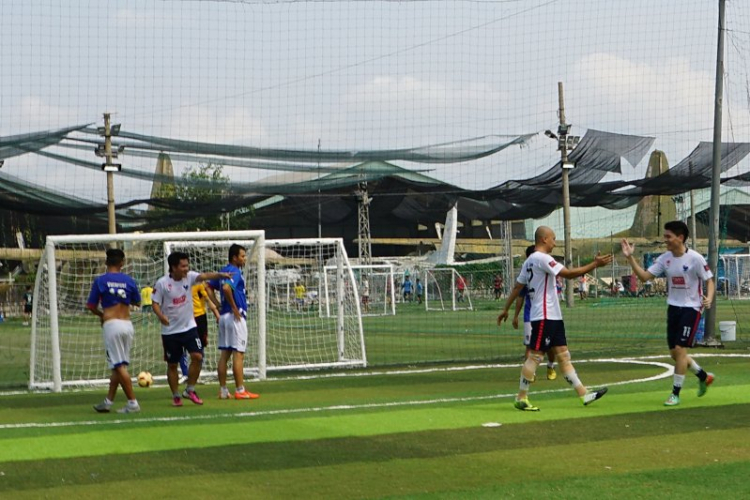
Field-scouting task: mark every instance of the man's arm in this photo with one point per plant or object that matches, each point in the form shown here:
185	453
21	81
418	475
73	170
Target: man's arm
519	306
229	296
599	261
710	292
211	305
157	310
628	250
212	276
94	308
508	303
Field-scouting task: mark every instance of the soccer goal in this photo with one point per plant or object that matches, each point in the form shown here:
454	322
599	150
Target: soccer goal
376	289
735	283
296	336
446	290
66	343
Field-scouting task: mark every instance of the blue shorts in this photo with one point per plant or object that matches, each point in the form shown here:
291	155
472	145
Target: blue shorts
177	343
546	334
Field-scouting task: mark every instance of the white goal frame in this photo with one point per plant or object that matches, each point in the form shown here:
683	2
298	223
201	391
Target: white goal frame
441	302
388	271
49	260
736	284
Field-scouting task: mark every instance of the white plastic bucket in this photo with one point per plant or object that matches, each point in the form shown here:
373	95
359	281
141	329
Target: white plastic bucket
728	330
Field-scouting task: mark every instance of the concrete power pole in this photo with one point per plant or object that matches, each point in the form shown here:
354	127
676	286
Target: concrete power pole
109	167
563	146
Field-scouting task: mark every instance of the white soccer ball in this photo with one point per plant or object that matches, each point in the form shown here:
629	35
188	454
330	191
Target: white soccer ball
145	379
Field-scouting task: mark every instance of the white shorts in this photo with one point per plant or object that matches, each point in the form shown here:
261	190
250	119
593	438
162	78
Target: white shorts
526	334
118	337
232	333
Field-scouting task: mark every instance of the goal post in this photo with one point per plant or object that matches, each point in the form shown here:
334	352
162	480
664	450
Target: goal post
296	335
446	290
377	279
66	344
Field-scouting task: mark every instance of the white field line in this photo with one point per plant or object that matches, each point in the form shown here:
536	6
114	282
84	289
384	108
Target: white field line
668	370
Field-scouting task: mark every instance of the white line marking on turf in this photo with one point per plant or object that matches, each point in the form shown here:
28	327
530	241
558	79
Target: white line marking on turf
292	411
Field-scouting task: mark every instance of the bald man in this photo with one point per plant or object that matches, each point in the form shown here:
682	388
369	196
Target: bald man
538	274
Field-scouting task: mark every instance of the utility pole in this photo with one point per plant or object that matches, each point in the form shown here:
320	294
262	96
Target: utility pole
109	167
363	226
566	143
713	237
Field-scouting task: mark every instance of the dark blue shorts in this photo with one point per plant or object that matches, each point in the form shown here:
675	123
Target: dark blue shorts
546	334
177	343
682	324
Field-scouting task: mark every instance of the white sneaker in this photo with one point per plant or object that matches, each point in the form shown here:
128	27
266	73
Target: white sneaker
183	379
103	407
129	409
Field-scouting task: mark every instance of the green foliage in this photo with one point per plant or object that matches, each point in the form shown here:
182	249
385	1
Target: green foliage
203	184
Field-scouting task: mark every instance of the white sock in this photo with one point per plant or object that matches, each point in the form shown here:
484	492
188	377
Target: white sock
176	395
695	367
190	388
241	388
550	364
108	402
572	378
678	380
133	403
524	385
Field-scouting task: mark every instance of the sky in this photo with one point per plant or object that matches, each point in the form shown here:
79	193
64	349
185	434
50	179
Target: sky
368	75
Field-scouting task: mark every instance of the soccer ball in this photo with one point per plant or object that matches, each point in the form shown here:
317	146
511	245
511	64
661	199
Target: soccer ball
145	379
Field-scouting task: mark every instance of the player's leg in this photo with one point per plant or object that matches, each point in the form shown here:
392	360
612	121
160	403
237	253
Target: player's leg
225	353
563	358
551	373
173	352
192	344
238	360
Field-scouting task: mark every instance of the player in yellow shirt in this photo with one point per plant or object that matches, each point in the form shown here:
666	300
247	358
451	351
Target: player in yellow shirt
299	295
146	301
200	299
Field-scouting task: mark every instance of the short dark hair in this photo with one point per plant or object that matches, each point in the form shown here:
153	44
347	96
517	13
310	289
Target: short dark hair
529	250
115	257
679	228
234	250
175	258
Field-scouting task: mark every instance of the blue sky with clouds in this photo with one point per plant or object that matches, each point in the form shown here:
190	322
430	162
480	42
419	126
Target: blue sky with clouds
362	74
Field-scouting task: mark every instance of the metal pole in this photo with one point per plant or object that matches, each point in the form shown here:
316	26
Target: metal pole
110	177
713	236
693	229
563	144
320	224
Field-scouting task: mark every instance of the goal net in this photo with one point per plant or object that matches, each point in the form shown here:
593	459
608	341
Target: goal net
296	336
66	339
376	289
446	290
734	282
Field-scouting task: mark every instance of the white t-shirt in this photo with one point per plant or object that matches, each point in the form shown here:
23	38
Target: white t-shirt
538	273
365	288
176	301
685	276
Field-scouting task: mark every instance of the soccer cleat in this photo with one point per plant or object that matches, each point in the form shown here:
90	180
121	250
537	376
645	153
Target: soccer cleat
177	401
246	395
129	409
672	400
703	385
192	396
551	373
590	397
225	395
524	405
102	407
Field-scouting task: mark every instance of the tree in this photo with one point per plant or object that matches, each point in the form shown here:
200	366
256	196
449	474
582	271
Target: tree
193	195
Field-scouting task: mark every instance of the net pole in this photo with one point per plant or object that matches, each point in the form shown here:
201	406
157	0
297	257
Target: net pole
713	237
261	305
53	319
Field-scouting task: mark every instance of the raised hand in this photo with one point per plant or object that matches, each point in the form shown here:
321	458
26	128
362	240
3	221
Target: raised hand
628	249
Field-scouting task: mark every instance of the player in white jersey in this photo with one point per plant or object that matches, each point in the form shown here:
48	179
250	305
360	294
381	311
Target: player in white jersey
173	305
686	272
538	274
